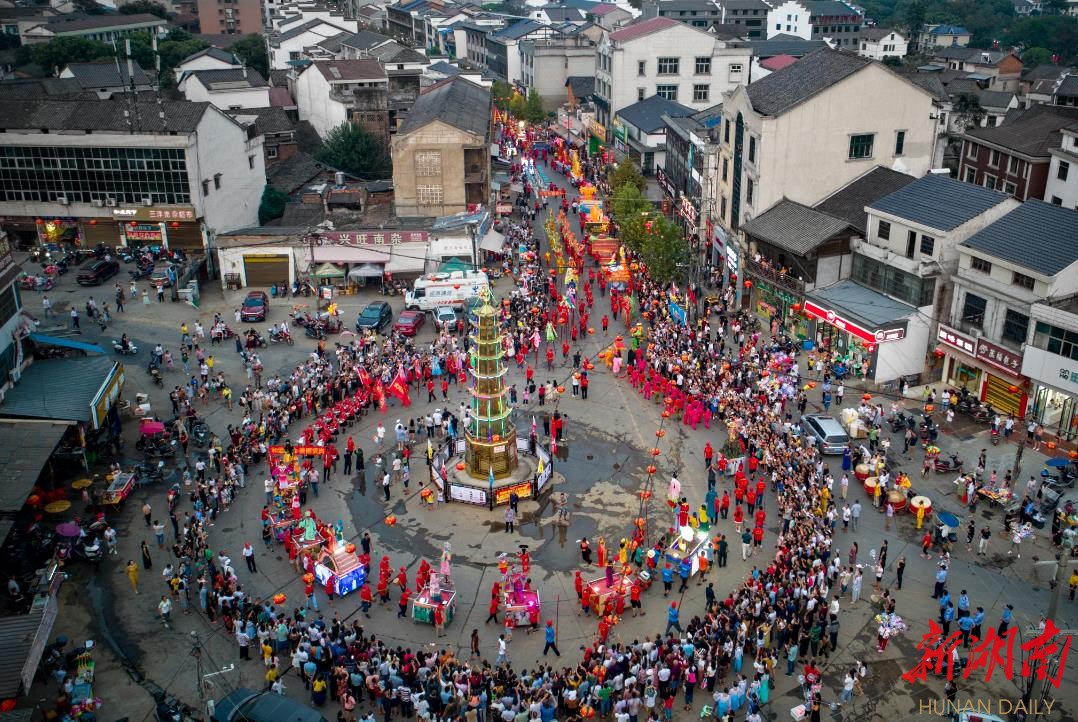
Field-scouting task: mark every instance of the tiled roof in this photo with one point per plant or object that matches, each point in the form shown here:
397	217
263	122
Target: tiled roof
848	202
273	119
444	68
105	115
517	30
107	74
582	85
778	62
456	101
229	78
364	40
643	28
793	85
1036	235
647	114
31	88
603	9
1032	132
556	14
291	174
216	53
359	69
1069	86
995	99
794	227
309	25
279	96
878	33
395	53
781	45
75	22
939	202
828	8
949	30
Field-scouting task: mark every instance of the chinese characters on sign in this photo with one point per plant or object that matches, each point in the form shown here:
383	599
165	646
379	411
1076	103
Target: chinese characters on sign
372	238
300	450
1045	655
858	332
157	215
1001	358
948	336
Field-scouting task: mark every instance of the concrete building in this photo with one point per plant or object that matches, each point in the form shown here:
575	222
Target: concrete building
503	48
103	28
694	69
838	23
999	70
1050	362
290	44
608	15
690	169
880	43
748	16
640	131
547	63
227	88
107	78
332	92
208	59
229	17
441	154
276	128
1062	186
1015	156
112	173
942	36
789	18
694	13
772	147
997	285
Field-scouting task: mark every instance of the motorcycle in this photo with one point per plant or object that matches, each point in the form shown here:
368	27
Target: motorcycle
260	341
200	433
154	370
159	448
929	429
152	473
944	467
277	336
141	272
898	422
118	347
55	268
90	549
995	436
983	413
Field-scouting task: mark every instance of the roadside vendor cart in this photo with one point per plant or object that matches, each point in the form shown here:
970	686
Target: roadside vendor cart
119	488
999	497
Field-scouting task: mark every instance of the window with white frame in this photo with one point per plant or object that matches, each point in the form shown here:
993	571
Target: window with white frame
668	66
666	91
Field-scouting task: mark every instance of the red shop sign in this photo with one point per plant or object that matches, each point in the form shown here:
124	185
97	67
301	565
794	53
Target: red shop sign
300	450
999	357
858	332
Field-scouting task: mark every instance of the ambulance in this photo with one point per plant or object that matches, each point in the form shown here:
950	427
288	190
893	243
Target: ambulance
452	289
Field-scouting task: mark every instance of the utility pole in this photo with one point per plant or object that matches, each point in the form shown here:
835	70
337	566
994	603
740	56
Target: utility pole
1058	577
1017	468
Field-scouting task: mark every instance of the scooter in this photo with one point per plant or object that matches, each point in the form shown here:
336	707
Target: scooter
155	373
159	449
898	422
954	465
200	433
141	272
90	549
118	347
929	429
995	436
153	473
281	337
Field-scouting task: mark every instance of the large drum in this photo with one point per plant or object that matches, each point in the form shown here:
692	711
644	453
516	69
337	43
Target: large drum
861	471
897	499
870	485
919	502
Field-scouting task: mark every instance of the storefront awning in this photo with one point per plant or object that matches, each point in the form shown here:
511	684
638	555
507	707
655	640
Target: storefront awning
65	343
327	270
408	258
24	637
869	308
61	389
352	254
492	241
366	270
25	448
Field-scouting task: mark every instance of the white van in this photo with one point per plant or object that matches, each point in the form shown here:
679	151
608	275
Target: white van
453	289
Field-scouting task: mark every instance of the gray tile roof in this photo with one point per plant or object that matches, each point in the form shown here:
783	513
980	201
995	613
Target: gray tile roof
879	33
517	30
1033	132
456	101
77	22
781	45
394	52
1036	235
273	119
364	40
107	115
794	227
30	88
18	635
828	8
848	202
304	27
939	202
444	68
217	53
106	75
229	78
647	114
861	303
995	98
1069	86
582	85
24	451
794	84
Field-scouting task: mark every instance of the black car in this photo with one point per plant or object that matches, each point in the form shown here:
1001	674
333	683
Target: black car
247	705
93	274
376	316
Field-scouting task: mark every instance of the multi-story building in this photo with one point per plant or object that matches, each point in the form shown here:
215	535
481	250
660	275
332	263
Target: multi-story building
1015	156
772	146
640	131
1027	257
1066	93
290	44
332	92
694	68
691	169
789	18
229	17
608	15
837	22
503	48
1062	186
441	154
277	131
1001	70
108	77
695	13
103	28
748	16
173	173
1050	362
880	43
228	88
942	36
210	58
547	63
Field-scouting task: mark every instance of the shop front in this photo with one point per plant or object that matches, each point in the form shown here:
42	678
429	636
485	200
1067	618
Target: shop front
368	257
958	352
991	372
771	302
174	227
865	335
597	139
1054	380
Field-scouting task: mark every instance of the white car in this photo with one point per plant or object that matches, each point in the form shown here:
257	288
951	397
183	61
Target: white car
445	318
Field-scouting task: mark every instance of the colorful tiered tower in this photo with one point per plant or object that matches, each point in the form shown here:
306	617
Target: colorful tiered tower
491	438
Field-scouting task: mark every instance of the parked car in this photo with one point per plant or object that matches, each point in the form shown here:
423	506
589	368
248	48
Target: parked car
830	436
254	306
376	316
247	705
93	274
445	318
409	322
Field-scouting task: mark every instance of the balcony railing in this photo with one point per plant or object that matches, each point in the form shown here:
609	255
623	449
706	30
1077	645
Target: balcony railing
767	272
475	176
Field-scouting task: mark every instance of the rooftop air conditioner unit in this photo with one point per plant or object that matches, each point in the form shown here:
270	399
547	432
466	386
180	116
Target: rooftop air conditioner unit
62	200
110	202
98	203
147	201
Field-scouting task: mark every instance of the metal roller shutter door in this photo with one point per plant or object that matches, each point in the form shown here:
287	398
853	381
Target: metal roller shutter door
997	392
265	270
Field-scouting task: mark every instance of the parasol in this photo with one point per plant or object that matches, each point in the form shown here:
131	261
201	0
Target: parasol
948	519
328	270
1057	463
68	529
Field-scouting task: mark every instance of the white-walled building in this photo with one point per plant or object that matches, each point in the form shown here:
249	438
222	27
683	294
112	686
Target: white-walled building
667	58
789	18
227	88
1062	186
880	43
289	44
546	64
325	91
207	59
133	175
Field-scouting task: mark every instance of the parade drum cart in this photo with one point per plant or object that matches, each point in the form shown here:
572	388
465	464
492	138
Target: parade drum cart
423	606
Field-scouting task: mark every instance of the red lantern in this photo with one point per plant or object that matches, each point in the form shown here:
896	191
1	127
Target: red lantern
939	353
1073	455
660	433
655	451
39	222
796	307
456	286
748	284
93	221
1013	389
279	599
1051	445
867	397
391	520
460	466
652	468
666	413
812	384
174	224
645	495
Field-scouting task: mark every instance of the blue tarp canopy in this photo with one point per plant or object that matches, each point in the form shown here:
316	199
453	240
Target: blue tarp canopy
65	343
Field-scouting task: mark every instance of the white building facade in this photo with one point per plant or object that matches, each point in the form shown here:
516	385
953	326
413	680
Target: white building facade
879	44
789	18
1062	186
324	97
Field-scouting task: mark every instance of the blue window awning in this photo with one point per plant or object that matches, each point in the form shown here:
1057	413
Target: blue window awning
65	343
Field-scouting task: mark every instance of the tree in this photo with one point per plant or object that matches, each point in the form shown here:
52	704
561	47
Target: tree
58	52
272	206
969	112
1036	56
627	172
501	93
664	250
352	149
533	108
145	6
251	49
628	203
915	19
893	61
518	106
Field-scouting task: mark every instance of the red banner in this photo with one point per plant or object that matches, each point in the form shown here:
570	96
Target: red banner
301	450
